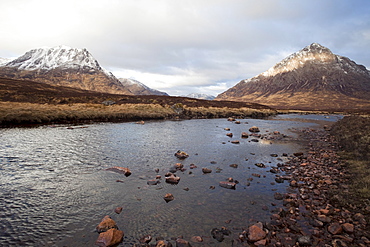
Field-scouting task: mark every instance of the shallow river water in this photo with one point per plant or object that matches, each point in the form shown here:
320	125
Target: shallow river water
55	188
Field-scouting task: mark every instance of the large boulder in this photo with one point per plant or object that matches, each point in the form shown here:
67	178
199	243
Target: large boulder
111	237
106	224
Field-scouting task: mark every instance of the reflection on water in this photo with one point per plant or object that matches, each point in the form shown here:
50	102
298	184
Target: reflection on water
55	190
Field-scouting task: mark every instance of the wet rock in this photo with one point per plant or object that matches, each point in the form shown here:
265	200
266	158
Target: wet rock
227	129
278	196
274	155
168	197
110	238
260	165
360	218
123	170
118	210
217	234
181	154
335	228
152	182
338	243
245	135
279	180
182	243
254	140
234	165
163	243
254	129
229	134
172	179
274	170
186	189
298	154
227	185
145	239
106	224
192	166
206	170
196	239
304	241
235	142
348	227
237	122
255	233
231	119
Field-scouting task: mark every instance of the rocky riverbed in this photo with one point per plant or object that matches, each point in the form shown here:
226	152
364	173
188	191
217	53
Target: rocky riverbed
313	213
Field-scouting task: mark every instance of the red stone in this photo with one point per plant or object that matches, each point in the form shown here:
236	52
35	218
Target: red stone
106	224
110	238
255	233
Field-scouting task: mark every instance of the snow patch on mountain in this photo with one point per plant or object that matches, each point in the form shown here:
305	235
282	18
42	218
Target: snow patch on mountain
62	56
201	96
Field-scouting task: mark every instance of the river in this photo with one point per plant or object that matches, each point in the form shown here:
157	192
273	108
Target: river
55	188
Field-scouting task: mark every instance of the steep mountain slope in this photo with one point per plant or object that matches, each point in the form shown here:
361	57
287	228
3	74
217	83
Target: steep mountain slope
312	78
63	66
139	88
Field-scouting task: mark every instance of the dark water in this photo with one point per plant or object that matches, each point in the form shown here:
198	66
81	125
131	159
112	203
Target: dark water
55	189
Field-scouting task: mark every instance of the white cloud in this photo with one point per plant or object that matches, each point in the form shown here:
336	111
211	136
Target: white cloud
189	45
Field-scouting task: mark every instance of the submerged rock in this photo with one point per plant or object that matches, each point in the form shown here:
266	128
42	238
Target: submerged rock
163	243
123	170
118	210
227	185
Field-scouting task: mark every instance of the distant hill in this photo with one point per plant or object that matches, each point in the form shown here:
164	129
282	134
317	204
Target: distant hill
201	96
311	79
139	88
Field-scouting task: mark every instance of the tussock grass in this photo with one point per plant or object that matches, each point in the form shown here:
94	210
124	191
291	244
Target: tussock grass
353	135
28	113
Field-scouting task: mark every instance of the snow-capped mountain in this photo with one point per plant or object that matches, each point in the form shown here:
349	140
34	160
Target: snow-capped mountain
201	96
63	66
312	78
139	88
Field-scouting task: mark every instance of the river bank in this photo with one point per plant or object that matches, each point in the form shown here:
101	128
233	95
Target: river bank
322	206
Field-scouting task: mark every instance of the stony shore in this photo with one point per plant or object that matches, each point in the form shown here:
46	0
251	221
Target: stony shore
316	207
313	213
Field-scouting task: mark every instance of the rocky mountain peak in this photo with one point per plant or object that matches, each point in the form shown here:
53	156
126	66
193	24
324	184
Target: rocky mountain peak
312	78
62	56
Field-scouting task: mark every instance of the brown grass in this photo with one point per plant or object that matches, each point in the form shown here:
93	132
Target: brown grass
17	113
353	135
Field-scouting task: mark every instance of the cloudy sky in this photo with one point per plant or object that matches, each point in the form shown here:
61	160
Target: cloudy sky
184	46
